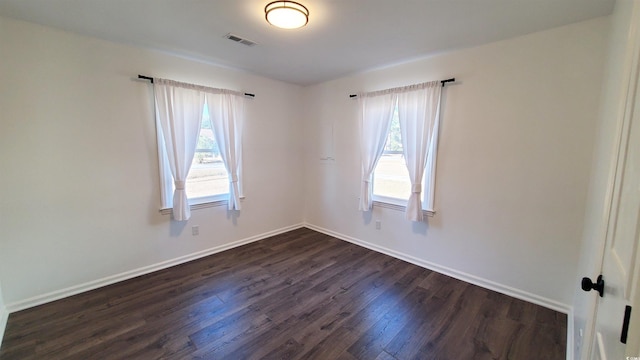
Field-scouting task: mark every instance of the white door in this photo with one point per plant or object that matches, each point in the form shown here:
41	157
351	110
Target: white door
620	266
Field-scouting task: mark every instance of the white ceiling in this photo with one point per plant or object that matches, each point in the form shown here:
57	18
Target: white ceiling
342	37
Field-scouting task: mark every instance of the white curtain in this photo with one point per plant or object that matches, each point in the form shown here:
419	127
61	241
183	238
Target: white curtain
226	114
179	111
418	112
376	110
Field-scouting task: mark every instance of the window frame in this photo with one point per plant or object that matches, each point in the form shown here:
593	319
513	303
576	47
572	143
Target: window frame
167	186
428	200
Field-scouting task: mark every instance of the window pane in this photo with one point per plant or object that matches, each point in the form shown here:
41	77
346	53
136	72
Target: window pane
394	138
391	177
208	176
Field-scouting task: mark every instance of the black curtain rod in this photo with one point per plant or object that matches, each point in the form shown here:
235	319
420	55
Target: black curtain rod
151	80
441	81
447	81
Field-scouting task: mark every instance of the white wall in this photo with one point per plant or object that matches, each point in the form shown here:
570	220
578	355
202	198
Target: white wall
603	171
79	191
4	315
514	161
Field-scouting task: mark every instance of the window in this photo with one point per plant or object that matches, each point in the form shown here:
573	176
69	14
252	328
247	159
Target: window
411	114
391	184
208	179
391	177
183	111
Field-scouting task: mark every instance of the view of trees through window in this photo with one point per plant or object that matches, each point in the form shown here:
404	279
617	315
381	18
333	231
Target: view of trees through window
391	177
208	176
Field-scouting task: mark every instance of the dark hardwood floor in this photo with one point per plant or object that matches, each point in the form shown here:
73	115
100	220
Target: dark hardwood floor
299	295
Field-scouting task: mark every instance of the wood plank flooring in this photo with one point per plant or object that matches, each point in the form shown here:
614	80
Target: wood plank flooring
299	295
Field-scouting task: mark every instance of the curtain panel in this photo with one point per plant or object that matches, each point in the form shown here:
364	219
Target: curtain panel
179	113
375	118
226	114
418	112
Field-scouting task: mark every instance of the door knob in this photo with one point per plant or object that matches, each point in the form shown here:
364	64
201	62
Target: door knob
588	285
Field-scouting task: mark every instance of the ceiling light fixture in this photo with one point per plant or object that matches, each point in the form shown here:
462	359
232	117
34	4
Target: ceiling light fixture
286	14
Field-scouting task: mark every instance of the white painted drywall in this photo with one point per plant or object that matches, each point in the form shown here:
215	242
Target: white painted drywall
514	159
79	191
602	174
4	315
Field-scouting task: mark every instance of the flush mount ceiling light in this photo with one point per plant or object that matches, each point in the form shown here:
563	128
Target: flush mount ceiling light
286	14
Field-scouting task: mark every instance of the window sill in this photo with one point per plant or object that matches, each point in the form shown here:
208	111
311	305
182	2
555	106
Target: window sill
386	205
203	205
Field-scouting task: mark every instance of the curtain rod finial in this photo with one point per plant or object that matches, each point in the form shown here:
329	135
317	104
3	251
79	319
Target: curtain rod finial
146	78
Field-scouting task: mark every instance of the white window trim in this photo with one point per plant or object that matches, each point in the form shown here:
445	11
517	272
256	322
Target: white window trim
398	204
384	202
207	202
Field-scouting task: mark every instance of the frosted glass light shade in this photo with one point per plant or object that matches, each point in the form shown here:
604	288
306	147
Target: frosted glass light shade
286	14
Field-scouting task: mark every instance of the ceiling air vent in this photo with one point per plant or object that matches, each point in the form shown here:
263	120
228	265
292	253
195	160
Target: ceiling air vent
240	40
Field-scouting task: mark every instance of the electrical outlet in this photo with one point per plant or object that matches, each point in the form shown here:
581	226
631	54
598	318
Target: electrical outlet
195	230
378	224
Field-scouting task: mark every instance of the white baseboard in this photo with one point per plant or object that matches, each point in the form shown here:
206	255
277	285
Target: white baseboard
91	285
4	316
472	279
